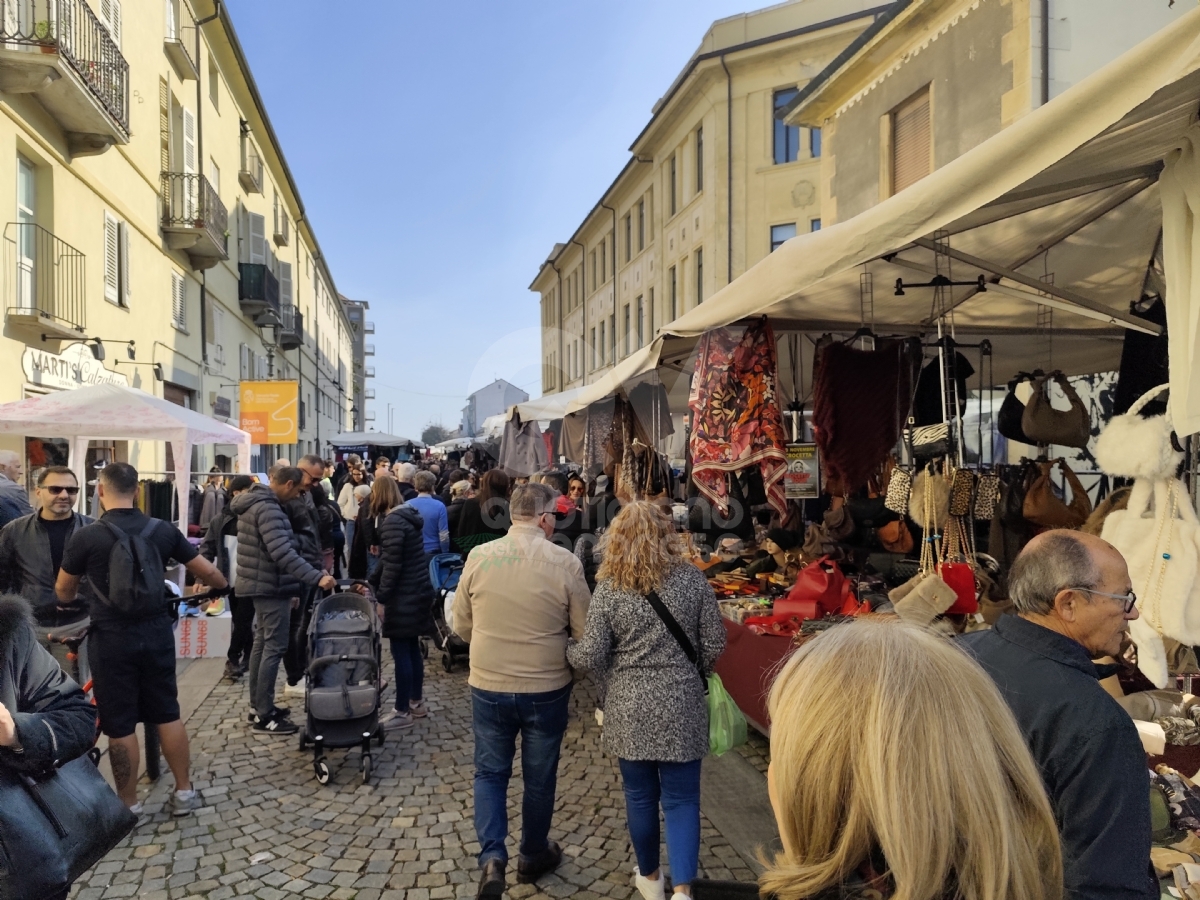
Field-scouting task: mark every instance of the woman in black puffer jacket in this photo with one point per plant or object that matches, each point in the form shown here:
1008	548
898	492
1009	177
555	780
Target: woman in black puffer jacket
402	585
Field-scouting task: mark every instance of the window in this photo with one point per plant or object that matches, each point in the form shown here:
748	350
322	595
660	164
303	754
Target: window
641	322
576	361
673	287
641	225
214	176
116	261
214	83
26	261
781	233
651	329
593	343
603	261
179	301
214	327
673	175
699	277
814	224
814	143
787	137
285	284
595	283
110	16
911	149
612	337
628	237
699	160
602	344
625	322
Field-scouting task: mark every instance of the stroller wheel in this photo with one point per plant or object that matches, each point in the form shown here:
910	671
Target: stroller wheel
447	662
321	768
379	736
303	741
366	768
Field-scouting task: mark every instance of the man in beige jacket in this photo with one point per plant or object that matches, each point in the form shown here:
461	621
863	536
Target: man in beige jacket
519	599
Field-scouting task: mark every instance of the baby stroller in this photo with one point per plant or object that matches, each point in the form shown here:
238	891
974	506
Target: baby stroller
343	687
444	571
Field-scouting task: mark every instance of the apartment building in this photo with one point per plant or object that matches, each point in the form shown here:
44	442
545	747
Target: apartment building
931	79
713	184
361	328
153	214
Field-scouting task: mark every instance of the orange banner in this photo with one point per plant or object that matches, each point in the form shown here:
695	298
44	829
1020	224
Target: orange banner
269	411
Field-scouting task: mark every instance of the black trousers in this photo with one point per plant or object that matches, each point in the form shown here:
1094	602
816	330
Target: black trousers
295	661
242	639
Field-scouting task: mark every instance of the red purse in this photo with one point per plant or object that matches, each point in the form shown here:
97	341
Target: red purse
821	583
961	579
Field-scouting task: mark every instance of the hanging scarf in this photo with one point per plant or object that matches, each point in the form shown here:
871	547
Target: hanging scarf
736	420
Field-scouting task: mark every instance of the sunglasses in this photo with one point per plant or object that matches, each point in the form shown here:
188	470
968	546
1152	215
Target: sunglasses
57	489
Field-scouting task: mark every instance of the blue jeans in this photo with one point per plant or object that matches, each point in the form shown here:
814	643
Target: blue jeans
677	786
410	671
541	720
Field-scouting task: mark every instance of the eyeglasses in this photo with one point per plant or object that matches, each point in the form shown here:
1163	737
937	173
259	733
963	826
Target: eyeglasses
1127	600
57	489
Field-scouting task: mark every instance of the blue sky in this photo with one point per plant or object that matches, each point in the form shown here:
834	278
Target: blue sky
441	149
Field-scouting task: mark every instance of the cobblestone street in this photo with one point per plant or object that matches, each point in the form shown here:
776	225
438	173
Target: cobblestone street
269	830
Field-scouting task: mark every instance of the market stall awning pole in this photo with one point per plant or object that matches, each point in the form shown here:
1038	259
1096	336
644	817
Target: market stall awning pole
1072	297
1055	303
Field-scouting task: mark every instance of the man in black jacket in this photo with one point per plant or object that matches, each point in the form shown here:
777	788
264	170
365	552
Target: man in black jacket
1073	599
272	573
213	548
306	523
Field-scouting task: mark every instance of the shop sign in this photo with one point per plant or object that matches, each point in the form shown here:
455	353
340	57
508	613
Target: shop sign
802	481
223	406
268	411
74	367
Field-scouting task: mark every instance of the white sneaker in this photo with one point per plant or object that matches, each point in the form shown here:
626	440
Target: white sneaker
295	690
396	720
650	890
418	709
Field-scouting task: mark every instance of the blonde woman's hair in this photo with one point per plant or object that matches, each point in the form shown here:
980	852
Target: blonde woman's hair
887	738
639	548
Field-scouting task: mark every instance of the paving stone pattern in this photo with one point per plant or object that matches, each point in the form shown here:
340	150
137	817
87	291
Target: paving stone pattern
269	830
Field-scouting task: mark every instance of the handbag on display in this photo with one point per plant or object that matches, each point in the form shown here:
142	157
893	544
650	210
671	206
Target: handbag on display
1008	419
1131	446
1044	424
987	496
929	441
932	486
962	486
899	488
895	536
1158	535
839	524
1042	506
54	828
821	583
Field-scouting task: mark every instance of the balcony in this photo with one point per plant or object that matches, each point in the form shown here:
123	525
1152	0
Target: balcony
258	293
370	415
369	394
369	372
368	349
194	218
291	332
368	328
59	51
250	176
283	230
45	283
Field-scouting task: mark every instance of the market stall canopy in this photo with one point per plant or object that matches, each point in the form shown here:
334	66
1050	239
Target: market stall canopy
1070	189
371	439
118	412
547	407
492	428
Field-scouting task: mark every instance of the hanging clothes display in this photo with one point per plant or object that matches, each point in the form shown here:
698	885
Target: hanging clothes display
1144	363
573	436
736	419
860	405
652	410
927	404
522	450
597	441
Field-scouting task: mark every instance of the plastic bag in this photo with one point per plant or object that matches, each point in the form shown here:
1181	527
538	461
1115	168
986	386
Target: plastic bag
726	724
448	611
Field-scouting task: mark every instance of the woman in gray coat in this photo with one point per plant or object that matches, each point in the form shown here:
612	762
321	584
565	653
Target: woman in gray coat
655	713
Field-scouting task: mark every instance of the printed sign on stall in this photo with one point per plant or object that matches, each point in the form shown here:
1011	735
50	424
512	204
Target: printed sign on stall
268	411
802	480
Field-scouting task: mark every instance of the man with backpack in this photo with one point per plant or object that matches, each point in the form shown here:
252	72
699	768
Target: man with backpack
302	511
131	644
14	502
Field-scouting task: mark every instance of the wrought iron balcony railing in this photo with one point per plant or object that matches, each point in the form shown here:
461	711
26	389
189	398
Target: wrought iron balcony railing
258	289
181	42
70	28
291	332
250	176
193	211
45	280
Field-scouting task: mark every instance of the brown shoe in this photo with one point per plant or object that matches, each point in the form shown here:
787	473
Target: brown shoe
492	883
531	868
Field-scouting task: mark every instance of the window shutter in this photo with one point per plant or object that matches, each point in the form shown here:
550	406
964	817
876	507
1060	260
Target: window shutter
189	140
285	283
258	239
244	362
110	15
178	301
112	265
126	279
172	27
911	142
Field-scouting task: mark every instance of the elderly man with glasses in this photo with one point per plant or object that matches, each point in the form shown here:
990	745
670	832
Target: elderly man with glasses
1073	601
31	547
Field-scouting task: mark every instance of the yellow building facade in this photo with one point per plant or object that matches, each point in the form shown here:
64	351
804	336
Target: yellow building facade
713	183
151	207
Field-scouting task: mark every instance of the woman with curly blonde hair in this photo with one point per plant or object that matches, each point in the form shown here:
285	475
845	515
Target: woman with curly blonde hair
897	771
655	715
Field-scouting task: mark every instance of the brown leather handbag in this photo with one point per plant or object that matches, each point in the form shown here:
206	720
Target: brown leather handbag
1044	507
1043	424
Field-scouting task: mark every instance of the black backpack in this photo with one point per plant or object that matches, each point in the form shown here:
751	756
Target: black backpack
135	574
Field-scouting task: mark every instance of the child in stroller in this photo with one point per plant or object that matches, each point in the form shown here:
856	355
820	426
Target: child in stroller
445	569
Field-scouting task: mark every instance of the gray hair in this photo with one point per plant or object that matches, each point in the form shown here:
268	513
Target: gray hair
1059	560
531	500
424	482
404	472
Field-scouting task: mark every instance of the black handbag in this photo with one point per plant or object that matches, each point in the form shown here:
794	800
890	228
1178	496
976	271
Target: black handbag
56	827
1012	410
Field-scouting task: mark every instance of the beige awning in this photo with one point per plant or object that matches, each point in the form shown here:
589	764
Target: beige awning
1070	189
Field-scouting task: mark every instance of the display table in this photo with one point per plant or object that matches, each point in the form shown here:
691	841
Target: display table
203	637
747	668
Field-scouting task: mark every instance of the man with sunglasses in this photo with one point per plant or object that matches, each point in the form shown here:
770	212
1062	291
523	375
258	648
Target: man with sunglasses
31	548
1073	600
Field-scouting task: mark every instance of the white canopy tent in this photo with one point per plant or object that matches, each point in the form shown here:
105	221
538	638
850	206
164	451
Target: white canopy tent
105	412
547	407
373	439
1070	189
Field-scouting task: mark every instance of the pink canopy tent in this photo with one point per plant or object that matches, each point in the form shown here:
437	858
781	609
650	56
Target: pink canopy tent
117	412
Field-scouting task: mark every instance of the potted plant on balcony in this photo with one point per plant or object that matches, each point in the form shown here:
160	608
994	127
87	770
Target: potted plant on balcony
43	31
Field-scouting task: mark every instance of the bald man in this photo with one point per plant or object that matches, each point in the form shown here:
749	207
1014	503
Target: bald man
14	500
1074	600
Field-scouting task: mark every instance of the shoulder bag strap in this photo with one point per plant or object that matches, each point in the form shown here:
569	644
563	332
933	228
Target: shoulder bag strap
677	632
